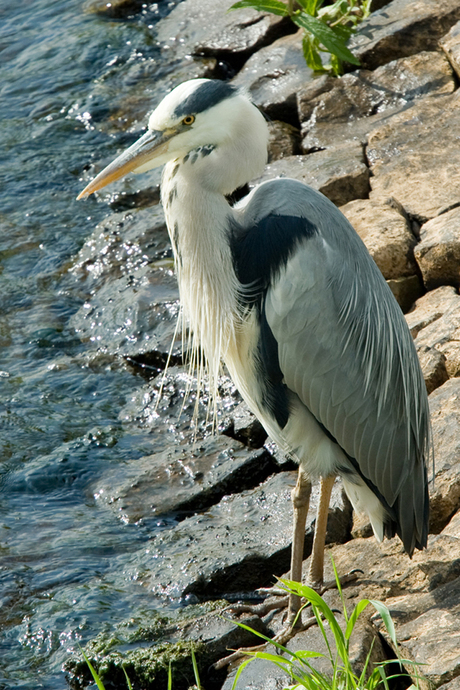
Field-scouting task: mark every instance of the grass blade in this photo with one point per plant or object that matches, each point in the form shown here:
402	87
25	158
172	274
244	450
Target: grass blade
96	678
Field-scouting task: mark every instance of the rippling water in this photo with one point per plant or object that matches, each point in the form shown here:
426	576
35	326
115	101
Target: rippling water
64	560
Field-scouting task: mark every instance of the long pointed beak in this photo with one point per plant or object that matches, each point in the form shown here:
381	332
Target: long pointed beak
146	153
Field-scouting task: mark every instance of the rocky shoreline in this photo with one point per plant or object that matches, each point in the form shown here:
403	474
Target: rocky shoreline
382	143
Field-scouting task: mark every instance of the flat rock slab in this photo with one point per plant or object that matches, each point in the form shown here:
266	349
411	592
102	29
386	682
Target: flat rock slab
340	174
401	28
205	27
409	162
386	234
389	573
132	295
348	109
438	253
132	316
122	244
274	75
184	479
236	545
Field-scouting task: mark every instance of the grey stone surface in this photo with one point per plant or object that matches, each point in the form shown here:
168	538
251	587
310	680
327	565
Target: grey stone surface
237	544
340	174
205	27
438	253
415	158
284	140
333	111
274	75
184	478
401	28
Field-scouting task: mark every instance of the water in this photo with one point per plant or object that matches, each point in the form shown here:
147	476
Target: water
66	565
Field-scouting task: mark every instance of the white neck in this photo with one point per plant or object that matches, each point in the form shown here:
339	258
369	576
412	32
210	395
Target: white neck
198	224
199	221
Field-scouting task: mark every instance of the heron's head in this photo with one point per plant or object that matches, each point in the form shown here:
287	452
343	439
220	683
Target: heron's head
198	113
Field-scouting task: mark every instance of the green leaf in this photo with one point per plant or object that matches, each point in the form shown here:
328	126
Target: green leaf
387	619
130	687
359	608
326	35
309	6
96	678
311	54
273	6
195	669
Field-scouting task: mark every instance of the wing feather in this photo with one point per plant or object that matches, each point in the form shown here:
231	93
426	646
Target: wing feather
344	348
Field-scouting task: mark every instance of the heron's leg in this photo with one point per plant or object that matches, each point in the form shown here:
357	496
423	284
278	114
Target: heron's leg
315	575
300	501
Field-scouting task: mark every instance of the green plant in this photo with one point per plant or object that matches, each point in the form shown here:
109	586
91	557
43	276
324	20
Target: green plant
326	29
297	664
95	675
100	684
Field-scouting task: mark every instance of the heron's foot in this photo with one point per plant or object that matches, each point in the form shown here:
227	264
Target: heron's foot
276	598
279	640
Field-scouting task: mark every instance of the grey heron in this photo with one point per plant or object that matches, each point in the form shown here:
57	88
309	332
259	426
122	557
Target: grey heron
281	288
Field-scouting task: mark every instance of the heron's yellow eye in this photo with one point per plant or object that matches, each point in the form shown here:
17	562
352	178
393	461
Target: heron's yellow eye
189	120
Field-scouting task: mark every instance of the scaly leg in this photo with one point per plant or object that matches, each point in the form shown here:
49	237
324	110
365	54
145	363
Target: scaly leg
315	576
300	501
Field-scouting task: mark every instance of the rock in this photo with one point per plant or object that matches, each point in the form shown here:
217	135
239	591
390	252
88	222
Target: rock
121	245
347	109
450	44
408	160
403	28
284	140
433	365
419	638
405	290
132	296
181	417
274	75
184	479
147	652
438	253
386	234
116	9
340	174
204	27
236	545
431	307
445	418
133	316
444	334
245	427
